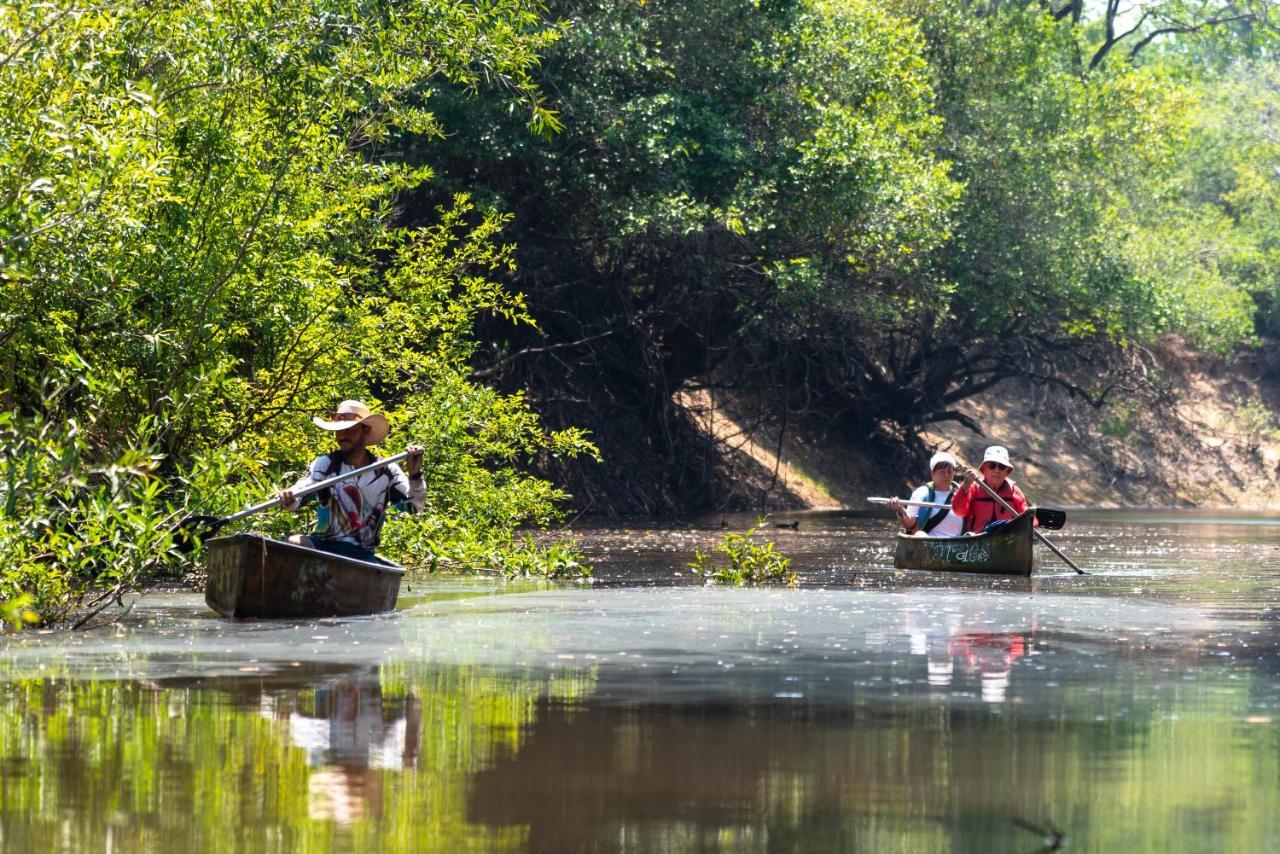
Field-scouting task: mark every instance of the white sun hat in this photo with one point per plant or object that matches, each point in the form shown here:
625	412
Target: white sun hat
941	457
997	454
349	413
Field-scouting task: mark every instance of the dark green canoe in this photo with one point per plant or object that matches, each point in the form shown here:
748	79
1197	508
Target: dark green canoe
252	576
1004	552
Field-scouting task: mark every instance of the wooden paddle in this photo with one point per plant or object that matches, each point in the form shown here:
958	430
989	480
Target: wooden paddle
1035	531
1048	517
186	530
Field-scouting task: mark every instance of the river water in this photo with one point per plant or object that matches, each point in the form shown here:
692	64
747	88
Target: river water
1130	710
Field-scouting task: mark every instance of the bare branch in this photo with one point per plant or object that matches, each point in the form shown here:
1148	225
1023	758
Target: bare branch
1188	28
496	367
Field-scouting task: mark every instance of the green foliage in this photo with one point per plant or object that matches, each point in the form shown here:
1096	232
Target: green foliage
749	562
440	543
730	174
69	525
763	148
872	207
197	235
1056	254
1120	421
1046	155
1211	227
217	219
197	192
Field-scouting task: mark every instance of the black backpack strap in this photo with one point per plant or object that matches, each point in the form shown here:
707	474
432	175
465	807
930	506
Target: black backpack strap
940	515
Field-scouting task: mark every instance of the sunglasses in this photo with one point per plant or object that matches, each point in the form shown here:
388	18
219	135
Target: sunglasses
996	467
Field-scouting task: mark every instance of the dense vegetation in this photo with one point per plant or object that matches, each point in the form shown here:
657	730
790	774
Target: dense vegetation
217	219
865	212
200	248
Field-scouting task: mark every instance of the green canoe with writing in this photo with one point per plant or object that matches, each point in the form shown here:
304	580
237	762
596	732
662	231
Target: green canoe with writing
1007	551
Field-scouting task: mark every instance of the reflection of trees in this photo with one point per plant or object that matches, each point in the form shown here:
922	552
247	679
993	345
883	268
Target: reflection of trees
888	775
927	772
210	763
1129	757
675	776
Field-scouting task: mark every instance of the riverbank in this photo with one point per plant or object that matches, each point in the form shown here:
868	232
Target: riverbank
1209	438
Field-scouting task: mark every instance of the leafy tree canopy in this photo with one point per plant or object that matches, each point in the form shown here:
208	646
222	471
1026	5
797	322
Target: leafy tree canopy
872	210
198	247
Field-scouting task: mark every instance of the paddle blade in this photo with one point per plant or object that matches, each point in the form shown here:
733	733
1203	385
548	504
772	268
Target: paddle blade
1051	519
193	529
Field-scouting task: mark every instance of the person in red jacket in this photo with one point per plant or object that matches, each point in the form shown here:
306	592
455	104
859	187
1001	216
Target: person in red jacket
981	512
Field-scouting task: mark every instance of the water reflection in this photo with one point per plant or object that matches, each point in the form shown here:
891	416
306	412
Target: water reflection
957	651
413	756
292	757
988	654
350	735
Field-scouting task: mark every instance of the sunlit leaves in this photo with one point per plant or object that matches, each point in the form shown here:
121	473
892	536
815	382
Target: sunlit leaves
1208	237
745	561
191	175
196	228
68	524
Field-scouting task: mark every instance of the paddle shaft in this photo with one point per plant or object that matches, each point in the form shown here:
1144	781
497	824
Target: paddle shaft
313	488
906	503
1043	538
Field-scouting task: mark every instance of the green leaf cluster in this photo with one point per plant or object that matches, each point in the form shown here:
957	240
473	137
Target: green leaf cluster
878	206
1209	229
1051	159
746	561
67	528
789	140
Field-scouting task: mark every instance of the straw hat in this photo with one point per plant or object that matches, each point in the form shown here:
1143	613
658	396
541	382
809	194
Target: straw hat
352	412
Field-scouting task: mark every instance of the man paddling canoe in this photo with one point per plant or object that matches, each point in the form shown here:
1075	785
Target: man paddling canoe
349	518
932	521
981	512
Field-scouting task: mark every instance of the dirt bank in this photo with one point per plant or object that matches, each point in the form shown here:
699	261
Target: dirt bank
1208	437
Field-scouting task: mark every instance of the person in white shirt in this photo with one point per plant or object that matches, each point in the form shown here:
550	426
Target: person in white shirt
932	521
350	515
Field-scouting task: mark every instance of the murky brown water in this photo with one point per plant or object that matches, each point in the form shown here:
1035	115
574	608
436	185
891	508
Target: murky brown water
1130	710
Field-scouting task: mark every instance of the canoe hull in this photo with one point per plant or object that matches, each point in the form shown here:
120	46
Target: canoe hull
1005	552
252	576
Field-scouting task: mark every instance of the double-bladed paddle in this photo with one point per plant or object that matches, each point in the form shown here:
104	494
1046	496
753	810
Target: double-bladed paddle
207	526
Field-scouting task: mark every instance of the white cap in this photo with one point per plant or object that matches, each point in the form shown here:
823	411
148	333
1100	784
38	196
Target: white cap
997	454
941	457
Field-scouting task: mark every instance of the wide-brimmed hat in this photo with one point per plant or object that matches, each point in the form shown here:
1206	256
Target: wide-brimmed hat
997	454
941	457
349	413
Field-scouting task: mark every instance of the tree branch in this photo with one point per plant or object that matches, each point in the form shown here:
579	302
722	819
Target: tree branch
957	416
1188	28
496	367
